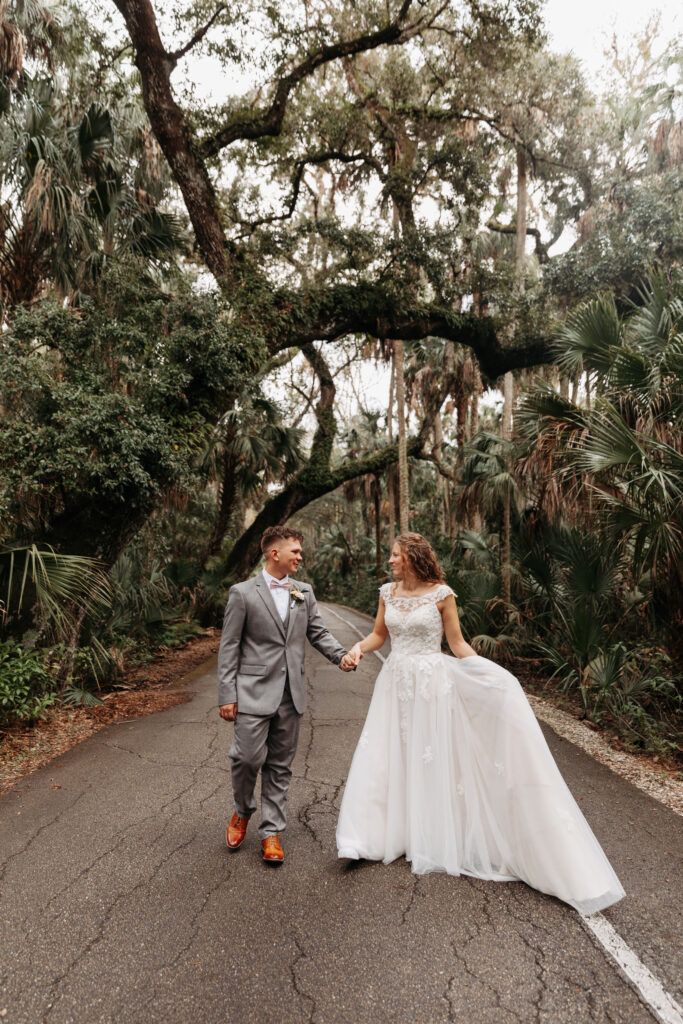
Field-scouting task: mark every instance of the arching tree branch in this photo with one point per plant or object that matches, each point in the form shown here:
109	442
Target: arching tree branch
174	136
270	122
305	488
381	313
511	229
198	36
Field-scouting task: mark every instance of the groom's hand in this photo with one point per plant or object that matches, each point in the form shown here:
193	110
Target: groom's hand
350	661
228	712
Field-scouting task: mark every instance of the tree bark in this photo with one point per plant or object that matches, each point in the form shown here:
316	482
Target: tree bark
246	551
391	473
403	482
378	527
226	505
508	383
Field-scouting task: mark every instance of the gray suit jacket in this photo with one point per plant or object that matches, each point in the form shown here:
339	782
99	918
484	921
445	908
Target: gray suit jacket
259	652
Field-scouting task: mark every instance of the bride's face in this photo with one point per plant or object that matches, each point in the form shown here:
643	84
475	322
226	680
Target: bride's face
397	562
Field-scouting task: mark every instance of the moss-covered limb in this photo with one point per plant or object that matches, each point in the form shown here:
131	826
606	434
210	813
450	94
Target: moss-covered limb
246	551
323	439
381	312
375	462
304	488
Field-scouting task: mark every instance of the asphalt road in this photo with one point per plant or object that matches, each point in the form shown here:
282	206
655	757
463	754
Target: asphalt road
119	901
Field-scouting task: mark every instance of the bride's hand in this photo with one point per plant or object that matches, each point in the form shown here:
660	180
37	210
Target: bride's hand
356	653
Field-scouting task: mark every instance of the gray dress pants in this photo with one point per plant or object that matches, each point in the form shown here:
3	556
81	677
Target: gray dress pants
266	743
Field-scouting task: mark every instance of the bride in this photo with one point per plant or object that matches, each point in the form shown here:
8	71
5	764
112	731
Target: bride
452	768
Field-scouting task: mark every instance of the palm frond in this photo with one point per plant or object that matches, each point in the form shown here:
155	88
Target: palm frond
60	585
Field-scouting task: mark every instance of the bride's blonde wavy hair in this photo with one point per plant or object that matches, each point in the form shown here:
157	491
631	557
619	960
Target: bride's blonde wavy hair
422	557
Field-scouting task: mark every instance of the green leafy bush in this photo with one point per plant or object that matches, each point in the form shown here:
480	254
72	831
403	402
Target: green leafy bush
25	692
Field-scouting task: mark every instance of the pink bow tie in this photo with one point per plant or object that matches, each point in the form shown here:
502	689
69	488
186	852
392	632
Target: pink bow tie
285	584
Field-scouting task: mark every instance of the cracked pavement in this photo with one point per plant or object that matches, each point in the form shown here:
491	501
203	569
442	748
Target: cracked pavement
119	901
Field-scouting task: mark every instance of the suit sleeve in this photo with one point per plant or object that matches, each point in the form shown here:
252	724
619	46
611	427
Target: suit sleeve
320	636
229	651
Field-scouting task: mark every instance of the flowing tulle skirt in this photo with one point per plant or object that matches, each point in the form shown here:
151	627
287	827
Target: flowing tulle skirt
453	771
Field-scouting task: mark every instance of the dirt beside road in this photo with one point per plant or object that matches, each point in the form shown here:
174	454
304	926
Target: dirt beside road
143	690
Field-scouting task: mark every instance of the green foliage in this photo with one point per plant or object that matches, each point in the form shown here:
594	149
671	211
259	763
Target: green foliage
60	585
25	688
108	406
627	446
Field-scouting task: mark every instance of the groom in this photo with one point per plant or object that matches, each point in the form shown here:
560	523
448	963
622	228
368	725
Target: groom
262	686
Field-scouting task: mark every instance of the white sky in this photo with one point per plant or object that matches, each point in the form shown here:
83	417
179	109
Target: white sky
585	27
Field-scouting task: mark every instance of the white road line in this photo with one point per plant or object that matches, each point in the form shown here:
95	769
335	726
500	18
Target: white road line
658	1001
656	998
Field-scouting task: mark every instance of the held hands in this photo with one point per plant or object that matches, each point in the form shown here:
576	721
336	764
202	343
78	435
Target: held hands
228	712
351	661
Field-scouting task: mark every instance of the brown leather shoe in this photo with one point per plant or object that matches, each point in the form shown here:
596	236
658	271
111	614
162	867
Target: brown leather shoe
272	850
237	830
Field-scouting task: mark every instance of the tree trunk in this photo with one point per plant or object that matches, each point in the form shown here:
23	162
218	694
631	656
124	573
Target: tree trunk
391	474
441	481
378	528
225	508
520	236
460	429
508	383
508	391
403	484
473	424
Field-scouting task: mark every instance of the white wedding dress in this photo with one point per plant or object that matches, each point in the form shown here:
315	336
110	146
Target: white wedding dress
453	771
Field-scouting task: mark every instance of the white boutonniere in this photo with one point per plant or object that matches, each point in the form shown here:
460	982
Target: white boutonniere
295	595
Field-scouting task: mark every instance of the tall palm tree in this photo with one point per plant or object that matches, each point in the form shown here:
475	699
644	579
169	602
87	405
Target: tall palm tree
403	481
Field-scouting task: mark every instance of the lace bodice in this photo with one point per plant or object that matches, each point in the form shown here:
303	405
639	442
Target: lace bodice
414	623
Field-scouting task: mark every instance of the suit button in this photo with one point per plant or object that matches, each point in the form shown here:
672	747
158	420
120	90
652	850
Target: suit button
284	670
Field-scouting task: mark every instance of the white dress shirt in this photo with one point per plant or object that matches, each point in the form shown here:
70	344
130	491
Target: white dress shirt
279	595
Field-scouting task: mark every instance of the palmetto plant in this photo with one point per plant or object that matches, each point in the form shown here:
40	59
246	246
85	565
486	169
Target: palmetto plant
487	475
570	577
626	449
59	587
69	198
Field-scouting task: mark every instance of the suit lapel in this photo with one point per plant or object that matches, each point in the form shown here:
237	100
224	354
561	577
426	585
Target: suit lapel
293	606
263	591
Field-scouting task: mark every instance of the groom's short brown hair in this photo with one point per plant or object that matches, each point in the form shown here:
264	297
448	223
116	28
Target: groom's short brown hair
275	533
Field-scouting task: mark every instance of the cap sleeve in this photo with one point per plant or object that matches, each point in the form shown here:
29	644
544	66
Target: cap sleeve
385	591
443	592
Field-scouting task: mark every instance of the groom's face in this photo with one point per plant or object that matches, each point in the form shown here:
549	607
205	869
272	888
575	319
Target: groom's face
287	556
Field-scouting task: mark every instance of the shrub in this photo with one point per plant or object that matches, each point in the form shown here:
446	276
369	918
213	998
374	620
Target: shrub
25	692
